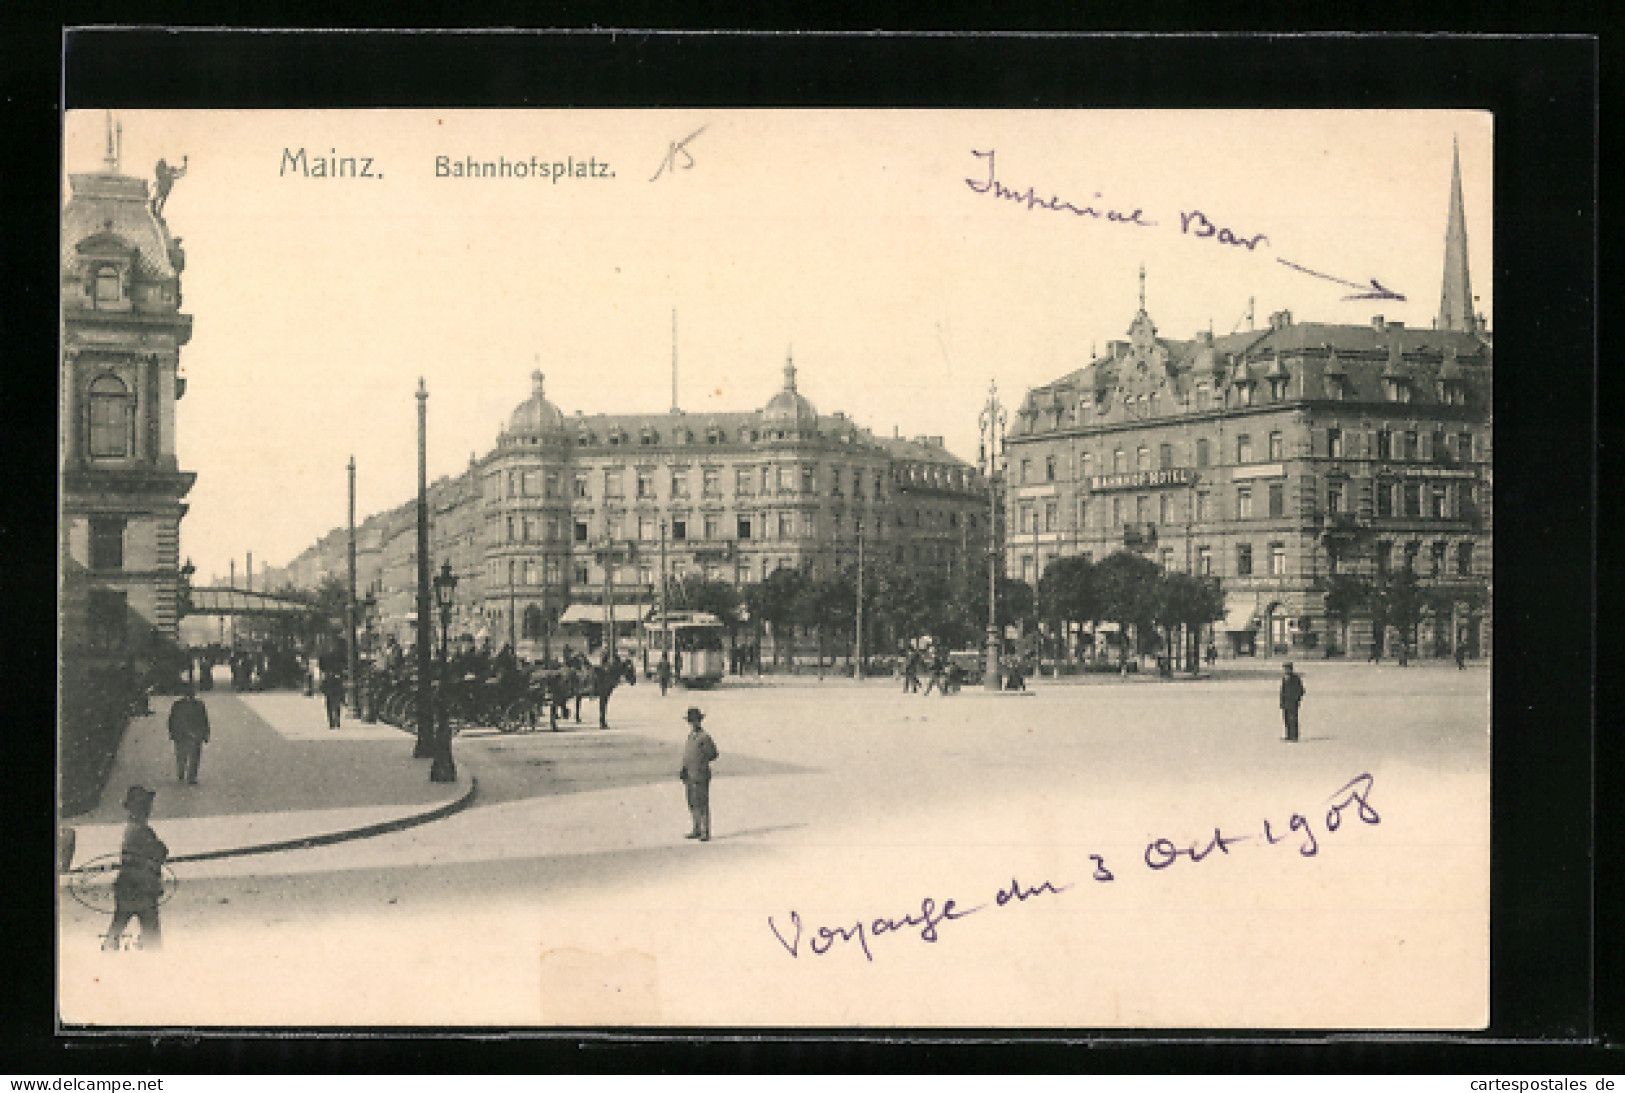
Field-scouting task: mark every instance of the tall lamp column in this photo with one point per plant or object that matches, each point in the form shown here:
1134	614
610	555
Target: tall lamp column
992	422
445	594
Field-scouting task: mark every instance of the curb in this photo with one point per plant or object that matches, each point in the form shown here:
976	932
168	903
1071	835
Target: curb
328	838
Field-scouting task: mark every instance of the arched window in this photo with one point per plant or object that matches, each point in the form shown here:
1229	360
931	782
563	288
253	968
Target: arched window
112	419
533	622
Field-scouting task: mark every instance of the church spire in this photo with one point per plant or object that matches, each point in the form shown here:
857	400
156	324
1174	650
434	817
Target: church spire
1456	297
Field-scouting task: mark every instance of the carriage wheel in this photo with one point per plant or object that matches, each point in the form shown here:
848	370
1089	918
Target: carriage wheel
514	717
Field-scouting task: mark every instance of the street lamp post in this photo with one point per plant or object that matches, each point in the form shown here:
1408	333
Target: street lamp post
444	768
992	423
858	671
425	747
350	642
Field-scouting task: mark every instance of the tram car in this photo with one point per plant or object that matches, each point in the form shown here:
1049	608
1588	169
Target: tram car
695	642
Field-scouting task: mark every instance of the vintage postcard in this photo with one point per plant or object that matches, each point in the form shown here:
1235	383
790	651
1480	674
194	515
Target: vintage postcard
824	569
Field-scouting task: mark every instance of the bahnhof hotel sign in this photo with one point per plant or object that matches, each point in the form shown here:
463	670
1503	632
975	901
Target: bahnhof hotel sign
1139	480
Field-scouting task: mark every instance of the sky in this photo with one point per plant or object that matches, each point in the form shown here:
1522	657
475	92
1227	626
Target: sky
867	243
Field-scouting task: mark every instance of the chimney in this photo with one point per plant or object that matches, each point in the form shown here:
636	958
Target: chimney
1280	320
1377	323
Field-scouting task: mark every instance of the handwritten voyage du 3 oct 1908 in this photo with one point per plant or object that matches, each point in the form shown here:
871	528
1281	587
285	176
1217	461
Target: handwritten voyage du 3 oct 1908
1160	854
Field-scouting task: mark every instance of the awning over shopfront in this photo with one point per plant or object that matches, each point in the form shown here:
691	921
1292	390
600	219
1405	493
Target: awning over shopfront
1240	618
596	614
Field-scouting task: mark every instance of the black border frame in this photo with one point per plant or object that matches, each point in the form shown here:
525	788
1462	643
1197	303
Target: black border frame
1545	95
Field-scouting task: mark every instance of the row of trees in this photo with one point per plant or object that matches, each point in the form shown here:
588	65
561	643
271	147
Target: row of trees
1399	601
900	605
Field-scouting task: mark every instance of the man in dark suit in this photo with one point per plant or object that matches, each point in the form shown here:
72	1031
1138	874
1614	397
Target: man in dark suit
189	729
699	750
1291	697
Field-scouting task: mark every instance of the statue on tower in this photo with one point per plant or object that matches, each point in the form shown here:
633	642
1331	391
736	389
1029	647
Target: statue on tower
166	181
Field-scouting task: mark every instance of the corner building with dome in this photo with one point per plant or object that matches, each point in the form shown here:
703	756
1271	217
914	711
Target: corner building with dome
727	496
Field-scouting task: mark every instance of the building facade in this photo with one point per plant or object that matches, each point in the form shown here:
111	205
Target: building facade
1275	459
122	490
587	509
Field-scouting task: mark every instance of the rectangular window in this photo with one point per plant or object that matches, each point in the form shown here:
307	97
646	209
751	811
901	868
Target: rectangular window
1244	448
1411	551
713	527
1142	509
787	479
1464	447
1464	560
1277	559
1277	499
648	531
1334	497
1049	515
787	525
552	486
106	542
1244	503
1204	506
1165	509
1385	498
1165	456
1049	468
1439	551
1385	444
612	483
1204	561
1334	443
807	480
530	484
1117	511
679	483
1277	447
711	482
1413	499
1201	396
1167	558
552	529
646	486
1412	450
743	480
743	528
1142	458
551	568
580	487
1083	513
1441	449
1201	452
581	574
1244	560
1025	518
679	529
1119	461
857	484
1440	508
581	531
1026	471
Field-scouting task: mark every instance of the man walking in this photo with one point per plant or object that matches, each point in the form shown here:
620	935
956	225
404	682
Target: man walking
664	672
333	692
139	884
698	752
189	729
1291	697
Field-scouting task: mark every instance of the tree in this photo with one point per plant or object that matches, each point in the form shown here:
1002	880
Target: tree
695	592
1068	592
1397	602
1345	595
1127	585
1184	599
773	600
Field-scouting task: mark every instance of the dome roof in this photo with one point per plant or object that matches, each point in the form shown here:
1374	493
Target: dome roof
117	205
788	407
536	414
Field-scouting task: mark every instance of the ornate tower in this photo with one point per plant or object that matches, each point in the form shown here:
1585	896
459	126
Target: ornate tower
1456	299
122	490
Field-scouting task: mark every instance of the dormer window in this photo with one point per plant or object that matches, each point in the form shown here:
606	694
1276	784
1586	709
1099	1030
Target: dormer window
1396	389
112	419
1452	392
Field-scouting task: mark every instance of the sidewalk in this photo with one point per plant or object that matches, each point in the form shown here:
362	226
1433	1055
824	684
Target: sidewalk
272	775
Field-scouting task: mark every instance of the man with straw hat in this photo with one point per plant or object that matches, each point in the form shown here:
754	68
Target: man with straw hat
140	880
698	752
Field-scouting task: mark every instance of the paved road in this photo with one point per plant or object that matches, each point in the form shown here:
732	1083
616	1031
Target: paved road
568	895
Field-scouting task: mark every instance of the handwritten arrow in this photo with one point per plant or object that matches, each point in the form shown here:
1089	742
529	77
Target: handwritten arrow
1377	291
